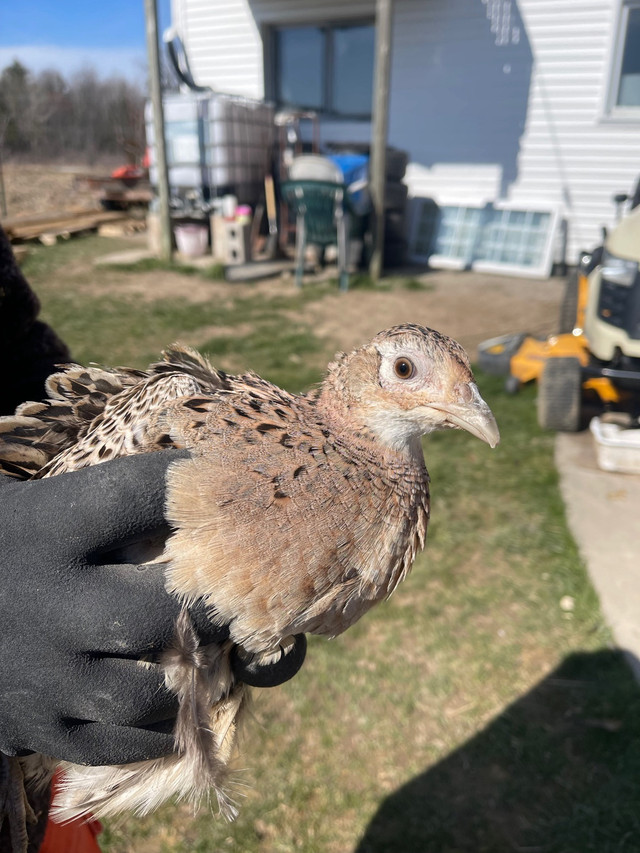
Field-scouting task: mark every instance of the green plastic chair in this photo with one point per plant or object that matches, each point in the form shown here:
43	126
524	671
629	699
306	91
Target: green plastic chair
322	212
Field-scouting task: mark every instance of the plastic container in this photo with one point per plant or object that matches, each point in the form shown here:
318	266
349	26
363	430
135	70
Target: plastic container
243	214
355	169
192	240
216	144
617	448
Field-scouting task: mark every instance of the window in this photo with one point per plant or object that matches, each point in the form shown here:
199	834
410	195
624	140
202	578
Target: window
324	68
516	237
487	239
457	234
300	67
626	84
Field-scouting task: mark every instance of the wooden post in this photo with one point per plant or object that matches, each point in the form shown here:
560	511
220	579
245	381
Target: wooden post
381	78
164	214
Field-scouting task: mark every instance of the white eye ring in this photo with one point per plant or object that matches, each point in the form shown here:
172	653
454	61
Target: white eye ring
404	368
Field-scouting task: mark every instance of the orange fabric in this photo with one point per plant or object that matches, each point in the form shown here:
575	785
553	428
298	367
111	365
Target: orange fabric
77	836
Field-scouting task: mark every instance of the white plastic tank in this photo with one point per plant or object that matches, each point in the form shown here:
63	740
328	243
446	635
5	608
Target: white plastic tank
216	144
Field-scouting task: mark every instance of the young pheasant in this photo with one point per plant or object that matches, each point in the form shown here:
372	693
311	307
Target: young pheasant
293	514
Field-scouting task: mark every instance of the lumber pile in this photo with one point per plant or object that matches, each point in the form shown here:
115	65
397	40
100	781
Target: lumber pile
49	227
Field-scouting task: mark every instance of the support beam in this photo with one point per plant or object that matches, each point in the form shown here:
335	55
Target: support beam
164	215
381	80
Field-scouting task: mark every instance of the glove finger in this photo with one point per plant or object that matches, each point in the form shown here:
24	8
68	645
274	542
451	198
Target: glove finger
100	744
122	692
208	632
110	505
123	610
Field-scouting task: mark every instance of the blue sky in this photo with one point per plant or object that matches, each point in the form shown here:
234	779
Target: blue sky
69	35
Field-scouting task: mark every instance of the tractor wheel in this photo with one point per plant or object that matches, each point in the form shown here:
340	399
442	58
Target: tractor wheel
569	307
560	395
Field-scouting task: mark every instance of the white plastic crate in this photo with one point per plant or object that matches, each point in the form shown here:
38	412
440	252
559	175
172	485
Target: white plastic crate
617	448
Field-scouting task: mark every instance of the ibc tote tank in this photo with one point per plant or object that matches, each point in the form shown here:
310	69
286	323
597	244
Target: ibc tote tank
216	145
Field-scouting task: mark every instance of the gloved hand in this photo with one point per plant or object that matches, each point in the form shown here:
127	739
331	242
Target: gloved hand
74	622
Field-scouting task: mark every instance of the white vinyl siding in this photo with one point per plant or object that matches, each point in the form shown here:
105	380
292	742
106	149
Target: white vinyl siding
571	153
223	44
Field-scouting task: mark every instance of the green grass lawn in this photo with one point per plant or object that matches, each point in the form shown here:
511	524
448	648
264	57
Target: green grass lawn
469	713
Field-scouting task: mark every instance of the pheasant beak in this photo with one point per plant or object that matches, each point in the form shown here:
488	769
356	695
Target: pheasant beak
467	410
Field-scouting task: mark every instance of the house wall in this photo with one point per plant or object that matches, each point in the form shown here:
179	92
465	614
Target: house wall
458	97
493	99
223	44
571	152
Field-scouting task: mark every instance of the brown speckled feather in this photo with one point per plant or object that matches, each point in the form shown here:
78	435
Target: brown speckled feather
295	513
276	466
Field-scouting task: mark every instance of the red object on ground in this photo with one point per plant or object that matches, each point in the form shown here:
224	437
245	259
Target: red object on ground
76	836
130	173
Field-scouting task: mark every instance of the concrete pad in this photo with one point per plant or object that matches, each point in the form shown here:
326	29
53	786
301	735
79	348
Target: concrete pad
603	511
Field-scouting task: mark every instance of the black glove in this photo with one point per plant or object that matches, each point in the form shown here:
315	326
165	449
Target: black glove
73	623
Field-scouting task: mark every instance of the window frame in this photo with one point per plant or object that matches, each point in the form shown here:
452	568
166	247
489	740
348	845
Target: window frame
270	52
474	260
612	109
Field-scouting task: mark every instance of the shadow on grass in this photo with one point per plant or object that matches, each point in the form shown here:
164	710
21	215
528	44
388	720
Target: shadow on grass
557	772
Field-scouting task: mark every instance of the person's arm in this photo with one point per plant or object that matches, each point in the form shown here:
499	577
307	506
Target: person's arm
74	623
29	349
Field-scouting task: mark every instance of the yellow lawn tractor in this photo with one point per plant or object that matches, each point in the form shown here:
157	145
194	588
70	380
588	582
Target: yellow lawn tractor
595	357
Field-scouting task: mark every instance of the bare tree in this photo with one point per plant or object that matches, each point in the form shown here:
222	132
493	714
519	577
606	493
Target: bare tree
15	94
48	116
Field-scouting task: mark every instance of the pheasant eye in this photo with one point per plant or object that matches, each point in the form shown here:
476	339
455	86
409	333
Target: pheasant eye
404	368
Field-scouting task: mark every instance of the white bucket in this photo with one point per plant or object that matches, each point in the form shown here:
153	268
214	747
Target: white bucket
617	449
191	239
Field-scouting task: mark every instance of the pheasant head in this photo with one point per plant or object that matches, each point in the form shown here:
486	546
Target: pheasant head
407	382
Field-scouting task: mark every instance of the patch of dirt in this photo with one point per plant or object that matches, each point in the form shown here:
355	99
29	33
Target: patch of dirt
207	333
157	284
166	284
468	306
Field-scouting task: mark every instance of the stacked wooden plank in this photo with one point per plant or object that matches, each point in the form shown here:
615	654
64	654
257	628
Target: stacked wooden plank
48	227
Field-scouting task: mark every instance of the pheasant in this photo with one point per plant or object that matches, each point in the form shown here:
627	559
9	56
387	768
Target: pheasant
293	514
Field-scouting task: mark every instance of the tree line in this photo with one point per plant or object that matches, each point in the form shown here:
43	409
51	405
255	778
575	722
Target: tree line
46	116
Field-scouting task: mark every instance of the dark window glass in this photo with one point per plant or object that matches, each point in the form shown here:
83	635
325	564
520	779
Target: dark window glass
300	64
325	68
352	70
629	90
